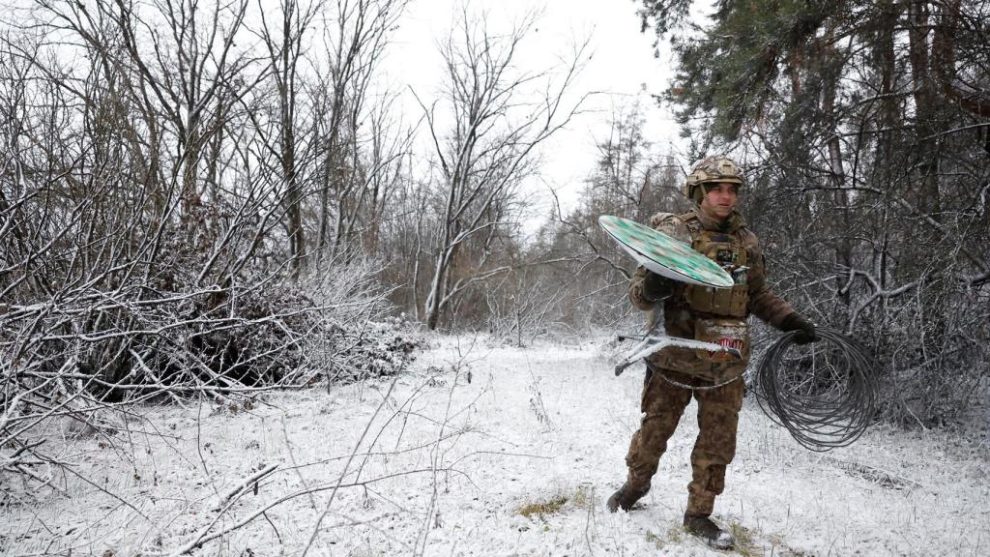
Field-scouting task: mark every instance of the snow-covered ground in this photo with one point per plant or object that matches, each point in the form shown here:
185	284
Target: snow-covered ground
483	450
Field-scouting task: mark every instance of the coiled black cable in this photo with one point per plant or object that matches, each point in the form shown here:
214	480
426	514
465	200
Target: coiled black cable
826	396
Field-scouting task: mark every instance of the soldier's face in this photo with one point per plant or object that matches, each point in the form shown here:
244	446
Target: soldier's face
720	200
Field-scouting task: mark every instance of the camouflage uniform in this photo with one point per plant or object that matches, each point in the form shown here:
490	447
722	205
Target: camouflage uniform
694	312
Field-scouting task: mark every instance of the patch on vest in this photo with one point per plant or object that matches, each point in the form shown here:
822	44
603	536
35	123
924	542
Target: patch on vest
730	333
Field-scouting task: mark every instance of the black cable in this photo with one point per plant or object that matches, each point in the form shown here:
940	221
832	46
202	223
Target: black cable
826	397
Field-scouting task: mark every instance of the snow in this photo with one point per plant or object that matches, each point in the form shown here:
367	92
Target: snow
441	460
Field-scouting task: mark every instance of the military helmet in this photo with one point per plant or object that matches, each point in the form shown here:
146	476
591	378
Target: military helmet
718	168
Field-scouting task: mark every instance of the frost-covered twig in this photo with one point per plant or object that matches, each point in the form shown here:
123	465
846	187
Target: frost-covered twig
251	480
340	478
204	536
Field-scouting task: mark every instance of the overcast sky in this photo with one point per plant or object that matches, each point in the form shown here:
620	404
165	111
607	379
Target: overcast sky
622	65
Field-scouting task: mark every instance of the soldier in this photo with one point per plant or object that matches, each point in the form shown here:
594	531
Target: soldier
675	374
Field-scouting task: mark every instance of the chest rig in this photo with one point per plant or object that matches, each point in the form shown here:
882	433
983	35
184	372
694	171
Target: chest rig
728	251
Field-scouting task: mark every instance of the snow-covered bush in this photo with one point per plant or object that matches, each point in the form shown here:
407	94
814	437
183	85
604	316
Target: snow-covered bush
91	349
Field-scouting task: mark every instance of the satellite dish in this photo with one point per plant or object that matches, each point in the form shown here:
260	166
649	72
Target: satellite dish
664	255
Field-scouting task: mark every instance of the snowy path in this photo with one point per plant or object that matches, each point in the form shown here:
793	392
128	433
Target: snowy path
489	451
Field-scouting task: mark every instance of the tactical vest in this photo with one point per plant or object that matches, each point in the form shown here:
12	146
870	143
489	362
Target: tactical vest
728	251
718	315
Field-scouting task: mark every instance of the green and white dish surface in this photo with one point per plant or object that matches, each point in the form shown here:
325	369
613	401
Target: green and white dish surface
664	255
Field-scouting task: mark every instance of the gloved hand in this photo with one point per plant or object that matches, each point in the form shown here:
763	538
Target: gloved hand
656	287
805	329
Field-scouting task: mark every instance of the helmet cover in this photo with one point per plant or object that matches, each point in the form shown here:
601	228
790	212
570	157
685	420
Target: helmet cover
714	169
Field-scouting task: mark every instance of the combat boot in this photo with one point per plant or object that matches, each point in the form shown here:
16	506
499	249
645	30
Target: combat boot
704	528
625	497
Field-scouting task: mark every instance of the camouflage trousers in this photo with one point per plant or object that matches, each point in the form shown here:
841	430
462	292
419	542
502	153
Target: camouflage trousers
718	416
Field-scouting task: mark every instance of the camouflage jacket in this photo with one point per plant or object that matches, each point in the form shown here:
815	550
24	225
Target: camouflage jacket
681	320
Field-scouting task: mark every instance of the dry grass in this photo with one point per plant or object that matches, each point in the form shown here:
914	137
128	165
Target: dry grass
580	499
543	508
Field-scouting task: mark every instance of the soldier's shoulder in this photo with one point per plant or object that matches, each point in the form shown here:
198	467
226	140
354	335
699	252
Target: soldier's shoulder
663	218
671	224
747	232
748	237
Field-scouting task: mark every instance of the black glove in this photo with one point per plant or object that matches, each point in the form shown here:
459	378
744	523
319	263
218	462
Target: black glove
805	330
656	287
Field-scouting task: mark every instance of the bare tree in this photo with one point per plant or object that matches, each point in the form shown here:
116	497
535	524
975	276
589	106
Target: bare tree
496	123
283	42
353	47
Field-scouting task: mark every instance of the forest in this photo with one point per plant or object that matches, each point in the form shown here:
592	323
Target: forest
210	199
